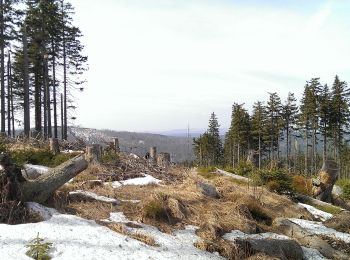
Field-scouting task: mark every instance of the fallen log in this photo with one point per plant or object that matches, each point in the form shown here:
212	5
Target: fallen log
40	189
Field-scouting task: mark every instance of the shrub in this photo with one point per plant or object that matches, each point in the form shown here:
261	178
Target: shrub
244	168
38	249
207	172
302	185
283	180
156	210
110	158
345	185
273	186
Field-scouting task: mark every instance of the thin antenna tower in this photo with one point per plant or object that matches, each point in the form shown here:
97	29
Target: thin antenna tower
188	143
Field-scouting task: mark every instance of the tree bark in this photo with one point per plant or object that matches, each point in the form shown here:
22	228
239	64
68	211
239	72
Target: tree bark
42	188
26	118
2	65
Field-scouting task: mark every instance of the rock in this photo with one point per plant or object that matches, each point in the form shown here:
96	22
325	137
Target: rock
306	238
208	190
328	175
339	222
282	249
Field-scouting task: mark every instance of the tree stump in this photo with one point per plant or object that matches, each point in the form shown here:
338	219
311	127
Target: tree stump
54	146
116	144
153	155
327	177
163	160
93	153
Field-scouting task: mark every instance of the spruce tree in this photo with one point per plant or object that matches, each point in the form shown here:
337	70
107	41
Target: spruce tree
258	128
274	110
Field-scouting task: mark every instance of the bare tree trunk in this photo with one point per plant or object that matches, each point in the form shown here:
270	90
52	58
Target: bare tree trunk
26	85
62	117
306	151
2	65
12	107
259	151
8	95
64	79
42	188
54	90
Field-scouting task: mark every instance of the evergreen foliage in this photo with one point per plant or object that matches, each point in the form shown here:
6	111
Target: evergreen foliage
38	249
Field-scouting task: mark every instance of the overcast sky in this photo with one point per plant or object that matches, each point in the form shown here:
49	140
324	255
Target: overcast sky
161	64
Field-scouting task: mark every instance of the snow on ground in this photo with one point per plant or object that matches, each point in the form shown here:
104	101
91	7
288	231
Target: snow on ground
316	212
93	196
148	179
80	239
72	151
39	168
134	156
142	181
309	253
318	228
234	234
180	241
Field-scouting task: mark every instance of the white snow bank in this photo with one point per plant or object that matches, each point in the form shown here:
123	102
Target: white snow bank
80	239
142	181
146	180
93	196
316	212
180	242
318	228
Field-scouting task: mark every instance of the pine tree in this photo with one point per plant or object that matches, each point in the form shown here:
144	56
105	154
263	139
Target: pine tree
325	113
289	117
258	128
340	113
274	110
215	141
237	139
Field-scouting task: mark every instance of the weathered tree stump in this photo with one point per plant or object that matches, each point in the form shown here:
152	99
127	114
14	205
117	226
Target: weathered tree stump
163	160
153	155
54	146
327	177
253	158
93	153
116	144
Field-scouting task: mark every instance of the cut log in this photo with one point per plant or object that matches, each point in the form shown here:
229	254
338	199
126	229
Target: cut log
54	146
43	187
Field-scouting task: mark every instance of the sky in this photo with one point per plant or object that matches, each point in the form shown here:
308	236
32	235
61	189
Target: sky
163	64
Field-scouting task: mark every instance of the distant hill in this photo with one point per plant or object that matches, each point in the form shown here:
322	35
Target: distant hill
184	132
179	147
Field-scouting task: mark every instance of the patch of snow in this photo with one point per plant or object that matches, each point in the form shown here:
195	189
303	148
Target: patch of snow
44	212
134	156
181	241
94	196
148	179
80	239
312	254
71	151
316	212
235	234
131	201
318	228
39	168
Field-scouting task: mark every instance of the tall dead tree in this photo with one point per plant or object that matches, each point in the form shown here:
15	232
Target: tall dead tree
26	116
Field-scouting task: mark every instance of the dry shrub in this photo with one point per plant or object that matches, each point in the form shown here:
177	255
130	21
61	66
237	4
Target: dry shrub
89	173
258	212
14	212
210	231
302	185
273	186
223	247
